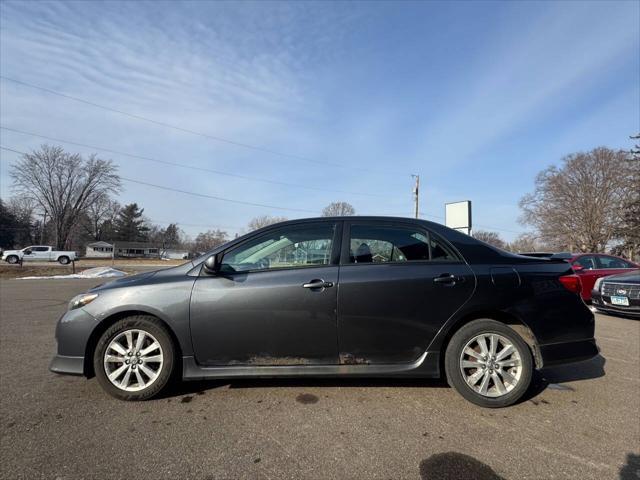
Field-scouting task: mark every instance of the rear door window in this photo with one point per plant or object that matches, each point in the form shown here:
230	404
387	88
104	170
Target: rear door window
384	244
612	262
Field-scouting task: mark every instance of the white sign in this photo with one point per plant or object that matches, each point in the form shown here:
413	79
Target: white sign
457	215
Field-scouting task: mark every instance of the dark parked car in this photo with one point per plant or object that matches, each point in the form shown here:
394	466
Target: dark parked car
353	296
618	294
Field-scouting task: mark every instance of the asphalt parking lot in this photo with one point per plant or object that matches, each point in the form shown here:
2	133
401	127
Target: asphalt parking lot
580	421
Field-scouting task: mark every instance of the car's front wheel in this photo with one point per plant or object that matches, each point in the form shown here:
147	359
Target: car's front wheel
488	363
134	358
12	259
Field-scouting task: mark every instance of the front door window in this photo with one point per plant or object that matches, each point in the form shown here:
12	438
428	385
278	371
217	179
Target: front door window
587	262
288	247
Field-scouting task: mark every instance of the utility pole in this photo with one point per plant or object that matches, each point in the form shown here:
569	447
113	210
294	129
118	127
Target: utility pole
416	194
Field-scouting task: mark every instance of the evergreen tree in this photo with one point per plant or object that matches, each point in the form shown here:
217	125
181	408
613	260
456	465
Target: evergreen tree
130	225
8	226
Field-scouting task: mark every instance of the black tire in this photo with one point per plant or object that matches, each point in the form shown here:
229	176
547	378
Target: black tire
152	326
64	260
456	378
12	259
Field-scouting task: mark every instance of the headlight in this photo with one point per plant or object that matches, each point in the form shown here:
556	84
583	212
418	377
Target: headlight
81	300
596	286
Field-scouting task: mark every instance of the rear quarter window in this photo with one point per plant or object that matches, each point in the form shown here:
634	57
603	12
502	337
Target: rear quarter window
613	262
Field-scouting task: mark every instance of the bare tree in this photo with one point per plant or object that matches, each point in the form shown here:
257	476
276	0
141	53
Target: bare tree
172	236
30	225
579	205
100	217
629	228
63	184
338	209
634	153
209	239
263	221
492	238
525	243
168	238
16	225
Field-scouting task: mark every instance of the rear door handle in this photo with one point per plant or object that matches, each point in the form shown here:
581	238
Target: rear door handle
447	279
318	283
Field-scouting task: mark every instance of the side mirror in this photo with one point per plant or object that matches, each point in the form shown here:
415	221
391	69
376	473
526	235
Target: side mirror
577	268
27	252
212	264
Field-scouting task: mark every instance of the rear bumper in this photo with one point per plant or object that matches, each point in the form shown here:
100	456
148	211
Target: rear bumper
67	365
568	352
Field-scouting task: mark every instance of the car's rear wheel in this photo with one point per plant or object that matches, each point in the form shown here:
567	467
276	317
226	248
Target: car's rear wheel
13	259
488	363
64	260
134	358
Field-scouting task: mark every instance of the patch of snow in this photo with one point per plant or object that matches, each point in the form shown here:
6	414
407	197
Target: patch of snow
97	272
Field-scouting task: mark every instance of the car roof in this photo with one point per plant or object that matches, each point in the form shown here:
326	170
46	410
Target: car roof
358	218
577	255
374	218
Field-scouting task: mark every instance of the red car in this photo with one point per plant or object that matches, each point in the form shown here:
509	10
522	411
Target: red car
591	266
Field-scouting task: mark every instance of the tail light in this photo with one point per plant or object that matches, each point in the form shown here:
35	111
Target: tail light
571	283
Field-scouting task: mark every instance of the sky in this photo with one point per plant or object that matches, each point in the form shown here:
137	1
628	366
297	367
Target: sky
288	106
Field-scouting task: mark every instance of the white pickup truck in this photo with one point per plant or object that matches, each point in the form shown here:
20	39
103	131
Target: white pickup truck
38	253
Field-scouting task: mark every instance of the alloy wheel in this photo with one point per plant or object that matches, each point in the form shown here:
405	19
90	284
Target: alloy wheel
491	365
133	360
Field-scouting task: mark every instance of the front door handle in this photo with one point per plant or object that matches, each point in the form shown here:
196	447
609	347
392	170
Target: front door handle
447	279
317	283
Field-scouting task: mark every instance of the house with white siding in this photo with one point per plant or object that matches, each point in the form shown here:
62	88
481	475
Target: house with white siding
122	250
133	250
99	250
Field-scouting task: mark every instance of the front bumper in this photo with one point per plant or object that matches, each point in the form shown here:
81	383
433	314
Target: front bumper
568	352
603	303
72	334
67	365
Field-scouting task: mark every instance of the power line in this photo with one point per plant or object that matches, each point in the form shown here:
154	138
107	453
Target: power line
12	150
203	195
438	217
176	127
252	203
192	167
163	124
223	228
477	224
204	225
215	197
